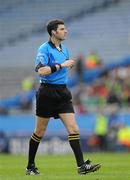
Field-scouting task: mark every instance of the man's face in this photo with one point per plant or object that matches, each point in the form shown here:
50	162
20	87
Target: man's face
61	32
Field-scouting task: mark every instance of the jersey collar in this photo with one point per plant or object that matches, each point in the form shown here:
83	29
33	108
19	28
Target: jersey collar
53	45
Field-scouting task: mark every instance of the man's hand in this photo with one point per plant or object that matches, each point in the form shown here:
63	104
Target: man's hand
68	63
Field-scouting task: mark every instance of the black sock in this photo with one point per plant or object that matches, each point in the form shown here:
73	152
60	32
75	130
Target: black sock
33	146
75	145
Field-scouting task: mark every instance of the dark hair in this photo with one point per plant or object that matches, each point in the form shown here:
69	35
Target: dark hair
53	25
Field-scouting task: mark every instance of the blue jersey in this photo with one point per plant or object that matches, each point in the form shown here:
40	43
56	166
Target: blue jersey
49	55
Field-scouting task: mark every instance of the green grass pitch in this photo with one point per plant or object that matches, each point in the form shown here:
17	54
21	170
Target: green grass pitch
115	166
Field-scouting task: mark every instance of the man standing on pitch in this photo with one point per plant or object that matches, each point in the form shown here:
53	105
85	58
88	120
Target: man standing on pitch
53	98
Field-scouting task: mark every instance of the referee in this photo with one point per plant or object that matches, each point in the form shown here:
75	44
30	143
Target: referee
53	99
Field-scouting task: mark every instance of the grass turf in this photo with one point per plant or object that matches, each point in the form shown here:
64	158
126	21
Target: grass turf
115	166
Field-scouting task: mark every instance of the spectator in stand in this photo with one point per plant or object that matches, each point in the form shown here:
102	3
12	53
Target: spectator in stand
77	96
92	60
125	94
113	126
123	137
101	128
28	83
79	67
28	86
113	98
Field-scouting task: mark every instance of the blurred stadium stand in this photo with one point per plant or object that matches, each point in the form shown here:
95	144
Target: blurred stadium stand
106	31
91	24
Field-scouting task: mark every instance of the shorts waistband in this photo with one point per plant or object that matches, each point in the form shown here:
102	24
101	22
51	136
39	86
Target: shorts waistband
53	85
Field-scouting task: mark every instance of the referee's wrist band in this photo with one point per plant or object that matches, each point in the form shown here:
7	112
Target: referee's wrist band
60	66
54	69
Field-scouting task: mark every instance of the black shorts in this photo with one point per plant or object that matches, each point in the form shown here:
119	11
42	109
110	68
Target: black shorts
53	99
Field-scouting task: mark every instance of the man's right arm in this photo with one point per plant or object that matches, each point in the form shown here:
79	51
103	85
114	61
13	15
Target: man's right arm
45	70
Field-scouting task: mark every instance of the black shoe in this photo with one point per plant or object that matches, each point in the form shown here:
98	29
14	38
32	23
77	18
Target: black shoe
87	167
32	170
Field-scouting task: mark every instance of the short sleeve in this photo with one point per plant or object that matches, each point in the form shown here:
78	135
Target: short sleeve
41	59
